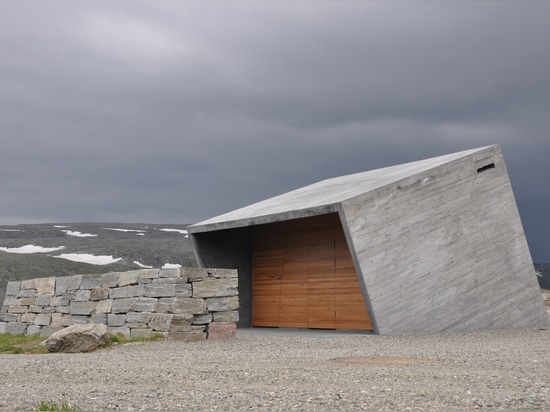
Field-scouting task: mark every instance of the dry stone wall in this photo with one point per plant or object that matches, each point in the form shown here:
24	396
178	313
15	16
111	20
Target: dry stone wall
180	303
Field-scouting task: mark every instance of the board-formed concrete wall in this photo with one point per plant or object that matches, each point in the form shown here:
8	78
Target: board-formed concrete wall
179	303
444	250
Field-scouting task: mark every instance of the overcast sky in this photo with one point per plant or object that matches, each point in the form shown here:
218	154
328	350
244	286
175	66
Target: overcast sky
177	111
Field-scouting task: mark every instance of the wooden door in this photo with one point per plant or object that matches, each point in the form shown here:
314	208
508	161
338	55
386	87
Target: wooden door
267	274
303	276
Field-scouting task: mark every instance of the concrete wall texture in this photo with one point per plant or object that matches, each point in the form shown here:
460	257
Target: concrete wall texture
438	244
180	303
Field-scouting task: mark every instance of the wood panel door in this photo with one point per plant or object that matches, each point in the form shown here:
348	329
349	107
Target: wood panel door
303	276
267	274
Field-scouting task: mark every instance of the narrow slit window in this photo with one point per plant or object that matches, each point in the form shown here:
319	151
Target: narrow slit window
486	167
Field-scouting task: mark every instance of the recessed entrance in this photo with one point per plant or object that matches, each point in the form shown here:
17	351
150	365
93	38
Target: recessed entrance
304	277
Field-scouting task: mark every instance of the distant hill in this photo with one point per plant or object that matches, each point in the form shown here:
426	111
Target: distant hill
127	246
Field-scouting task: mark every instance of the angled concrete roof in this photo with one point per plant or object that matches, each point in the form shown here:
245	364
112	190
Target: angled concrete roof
321	197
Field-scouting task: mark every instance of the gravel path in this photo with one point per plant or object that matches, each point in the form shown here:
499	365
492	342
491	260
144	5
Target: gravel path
494	370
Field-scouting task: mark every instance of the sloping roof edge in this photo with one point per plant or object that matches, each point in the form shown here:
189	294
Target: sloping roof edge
324	196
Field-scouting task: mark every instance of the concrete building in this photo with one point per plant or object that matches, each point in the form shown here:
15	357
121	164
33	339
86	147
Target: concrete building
430	246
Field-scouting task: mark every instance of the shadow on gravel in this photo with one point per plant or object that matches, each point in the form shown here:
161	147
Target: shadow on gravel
313	333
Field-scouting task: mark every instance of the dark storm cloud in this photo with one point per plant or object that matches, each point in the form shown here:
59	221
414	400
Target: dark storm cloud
179	111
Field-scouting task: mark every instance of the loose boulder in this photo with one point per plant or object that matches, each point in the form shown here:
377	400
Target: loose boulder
78	338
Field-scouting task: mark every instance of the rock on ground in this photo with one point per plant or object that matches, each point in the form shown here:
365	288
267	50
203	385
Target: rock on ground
78	338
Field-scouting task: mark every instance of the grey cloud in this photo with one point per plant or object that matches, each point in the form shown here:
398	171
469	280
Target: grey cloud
178	111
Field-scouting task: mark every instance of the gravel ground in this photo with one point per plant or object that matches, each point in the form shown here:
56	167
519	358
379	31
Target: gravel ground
488	370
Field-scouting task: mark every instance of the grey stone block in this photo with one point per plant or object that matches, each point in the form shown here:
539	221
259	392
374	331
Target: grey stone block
74	282
202	319
222	304
136	317
99	294
110	280
126	292
33	329
184	290
229	316
104	306
55	301
116	320
28	317
13	287
181	323
166	305
10	300
164	281
26	301
99	319
123	305
128	278
42	319
82	295
45	286
158	291
189	306
26	293
68	297
222	273
36	309
10	317
124	331
83	308
61	285
160	321
194	274
141	333
149	274
18	309
48	331
56	319
69	320
169	272
63	309
215	288
27	284
42	300
91	281
3	326
146	305
16	328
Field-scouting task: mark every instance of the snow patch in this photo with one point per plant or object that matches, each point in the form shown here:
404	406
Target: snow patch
124	230
31	249
60	226
10	230
141	265
78	234
87	258
182	231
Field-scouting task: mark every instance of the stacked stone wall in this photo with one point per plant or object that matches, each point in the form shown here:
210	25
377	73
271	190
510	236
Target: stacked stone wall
181	303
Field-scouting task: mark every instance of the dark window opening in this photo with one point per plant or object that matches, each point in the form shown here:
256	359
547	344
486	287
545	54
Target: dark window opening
487	167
